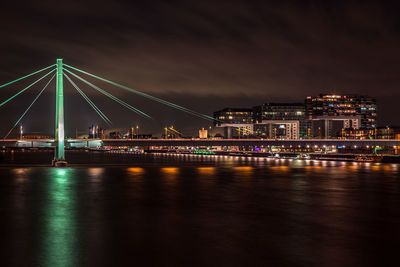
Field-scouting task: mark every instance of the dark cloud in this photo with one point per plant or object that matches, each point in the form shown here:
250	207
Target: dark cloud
209	54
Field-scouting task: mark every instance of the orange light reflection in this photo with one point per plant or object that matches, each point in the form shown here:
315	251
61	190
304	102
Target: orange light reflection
170	170
135	170
96	171
206	170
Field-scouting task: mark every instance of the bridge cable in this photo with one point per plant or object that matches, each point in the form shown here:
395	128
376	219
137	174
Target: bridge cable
198	114
110	96
90	102
33	102
26	88
195	113
4	85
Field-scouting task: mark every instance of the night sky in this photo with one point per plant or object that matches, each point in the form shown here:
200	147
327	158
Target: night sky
204	55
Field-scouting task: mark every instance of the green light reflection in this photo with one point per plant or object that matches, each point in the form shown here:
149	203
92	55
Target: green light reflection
60	240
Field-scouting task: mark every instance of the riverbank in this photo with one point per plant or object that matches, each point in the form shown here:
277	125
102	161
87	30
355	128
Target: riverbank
288	155
39	158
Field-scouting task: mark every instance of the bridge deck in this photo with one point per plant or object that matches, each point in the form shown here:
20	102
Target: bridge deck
204	142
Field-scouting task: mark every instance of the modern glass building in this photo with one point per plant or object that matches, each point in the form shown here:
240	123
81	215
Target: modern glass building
322	116
331	114
236	122
332	105
234	115
281	120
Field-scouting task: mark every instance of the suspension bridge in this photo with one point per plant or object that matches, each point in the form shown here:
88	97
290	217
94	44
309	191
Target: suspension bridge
59	71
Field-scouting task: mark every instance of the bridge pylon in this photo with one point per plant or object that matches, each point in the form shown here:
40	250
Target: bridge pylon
59	156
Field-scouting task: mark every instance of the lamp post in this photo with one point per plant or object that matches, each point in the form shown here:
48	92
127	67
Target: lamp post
131	132
137	131
20	132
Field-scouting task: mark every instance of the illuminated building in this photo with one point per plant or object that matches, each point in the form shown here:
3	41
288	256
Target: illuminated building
237	122
359	134
234	116
203	133
95	132
331	113
281	121
388	132
323	116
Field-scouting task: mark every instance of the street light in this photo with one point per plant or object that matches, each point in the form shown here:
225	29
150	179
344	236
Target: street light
137	131
20	132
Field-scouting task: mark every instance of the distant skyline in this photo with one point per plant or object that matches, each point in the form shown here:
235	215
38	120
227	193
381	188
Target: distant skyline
205	55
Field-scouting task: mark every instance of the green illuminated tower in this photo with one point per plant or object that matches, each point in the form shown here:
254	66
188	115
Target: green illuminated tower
59	157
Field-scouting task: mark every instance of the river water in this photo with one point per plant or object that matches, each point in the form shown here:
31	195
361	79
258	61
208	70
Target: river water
171	210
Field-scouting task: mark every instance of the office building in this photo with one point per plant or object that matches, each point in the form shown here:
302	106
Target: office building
281	121
331	113
236	122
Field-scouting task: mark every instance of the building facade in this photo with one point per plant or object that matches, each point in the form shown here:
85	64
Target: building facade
234	116
281	120
323	116
388	132
331	113
343	106
236	122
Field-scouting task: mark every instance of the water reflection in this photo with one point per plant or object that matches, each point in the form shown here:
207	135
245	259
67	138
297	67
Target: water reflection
280	168
206	170
136	182
170	171
135	171
21	174
243	171
95	172
60	240
237	212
